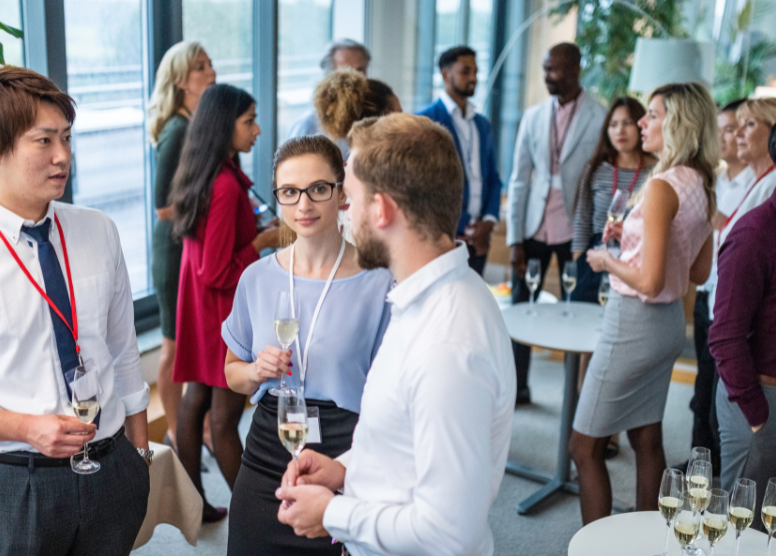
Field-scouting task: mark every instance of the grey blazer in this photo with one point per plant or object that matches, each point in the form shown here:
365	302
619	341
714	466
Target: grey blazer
529	185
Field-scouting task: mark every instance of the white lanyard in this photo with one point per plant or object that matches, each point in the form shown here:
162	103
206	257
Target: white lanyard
303	358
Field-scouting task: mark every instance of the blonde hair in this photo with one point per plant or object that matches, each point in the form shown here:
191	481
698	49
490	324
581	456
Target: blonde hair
763	109
167	98
689	134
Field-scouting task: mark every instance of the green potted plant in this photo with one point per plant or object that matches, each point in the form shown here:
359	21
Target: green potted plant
11	31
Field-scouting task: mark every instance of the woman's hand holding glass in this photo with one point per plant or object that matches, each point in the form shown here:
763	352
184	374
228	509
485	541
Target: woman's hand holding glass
272	363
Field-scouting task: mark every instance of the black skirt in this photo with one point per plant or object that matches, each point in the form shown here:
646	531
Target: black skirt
253	524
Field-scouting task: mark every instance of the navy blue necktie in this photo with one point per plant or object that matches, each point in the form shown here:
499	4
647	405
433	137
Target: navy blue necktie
56	289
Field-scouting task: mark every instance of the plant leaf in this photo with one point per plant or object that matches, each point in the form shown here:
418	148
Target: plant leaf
745	16
2	58
18	33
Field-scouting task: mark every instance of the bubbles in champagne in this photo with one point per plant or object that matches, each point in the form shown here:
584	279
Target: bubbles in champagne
668	506
686	531
714	528
741	518
769	518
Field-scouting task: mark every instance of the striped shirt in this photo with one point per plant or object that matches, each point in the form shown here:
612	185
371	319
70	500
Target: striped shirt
593	203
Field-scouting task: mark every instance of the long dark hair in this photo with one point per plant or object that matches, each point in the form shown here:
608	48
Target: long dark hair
205	149
604	150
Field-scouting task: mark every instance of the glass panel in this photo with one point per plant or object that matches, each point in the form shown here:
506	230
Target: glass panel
225	29
12	47
104	72
304	31
480	39
446	36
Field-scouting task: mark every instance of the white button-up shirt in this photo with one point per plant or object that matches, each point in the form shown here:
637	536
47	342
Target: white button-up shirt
431	443
30	373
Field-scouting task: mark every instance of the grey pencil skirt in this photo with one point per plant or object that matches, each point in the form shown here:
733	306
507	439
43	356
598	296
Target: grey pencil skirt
626	385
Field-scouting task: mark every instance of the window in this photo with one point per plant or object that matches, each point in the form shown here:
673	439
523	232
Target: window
446	36
304	30
12	47
480	35
105	77
225	29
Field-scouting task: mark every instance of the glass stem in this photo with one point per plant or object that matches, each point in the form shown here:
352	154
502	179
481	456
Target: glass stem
568	302
86	452
668	535
531	301
738	541
770	536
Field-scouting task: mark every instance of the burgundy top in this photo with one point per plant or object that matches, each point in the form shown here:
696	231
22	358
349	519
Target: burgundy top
211	266
742	334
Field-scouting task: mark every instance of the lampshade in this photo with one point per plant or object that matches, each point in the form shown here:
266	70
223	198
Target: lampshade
660	61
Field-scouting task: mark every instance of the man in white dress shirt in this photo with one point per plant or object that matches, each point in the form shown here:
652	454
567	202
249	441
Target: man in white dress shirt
74	256
431	443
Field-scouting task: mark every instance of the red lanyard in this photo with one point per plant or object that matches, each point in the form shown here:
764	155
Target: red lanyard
632	183
74	328
747	195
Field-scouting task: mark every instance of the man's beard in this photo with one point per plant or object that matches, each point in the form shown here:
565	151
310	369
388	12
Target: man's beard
372	253
465	92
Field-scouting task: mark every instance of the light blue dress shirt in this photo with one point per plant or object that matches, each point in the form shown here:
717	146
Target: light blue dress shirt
346	338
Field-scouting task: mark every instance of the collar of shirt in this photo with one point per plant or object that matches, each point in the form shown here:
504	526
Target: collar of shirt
11	223
404	294
452	106
567	107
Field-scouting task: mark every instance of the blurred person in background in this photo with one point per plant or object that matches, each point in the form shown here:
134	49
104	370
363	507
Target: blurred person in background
666	243
184	73
474	141
214	216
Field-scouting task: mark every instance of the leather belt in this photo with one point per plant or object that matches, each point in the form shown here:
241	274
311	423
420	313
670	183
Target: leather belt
34	459
767	380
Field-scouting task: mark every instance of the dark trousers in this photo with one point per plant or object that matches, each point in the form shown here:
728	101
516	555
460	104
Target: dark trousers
520	293
52	511
705	429
477	262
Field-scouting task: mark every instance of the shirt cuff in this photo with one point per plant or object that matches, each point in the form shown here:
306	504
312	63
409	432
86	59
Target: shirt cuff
755	408
336	518
344	459
137	402
490	218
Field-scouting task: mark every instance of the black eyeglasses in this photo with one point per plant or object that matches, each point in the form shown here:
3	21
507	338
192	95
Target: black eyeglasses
317	192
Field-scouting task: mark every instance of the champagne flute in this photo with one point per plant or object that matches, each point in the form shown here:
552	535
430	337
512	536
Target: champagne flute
617	210
569	283
687	522
286	329
85	387
715	520
742	507
768	513
603	291
699	483
671	490
292	421
533	275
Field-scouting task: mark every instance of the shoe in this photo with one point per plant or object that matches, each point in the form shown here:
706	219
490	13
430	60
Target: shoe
523	396
211	514
612	450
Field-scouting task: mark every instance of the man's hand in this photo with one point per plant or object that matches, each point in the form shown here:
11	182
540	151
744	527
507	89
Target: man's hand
313	468
757	428
518	260
57	436
478	236
305	514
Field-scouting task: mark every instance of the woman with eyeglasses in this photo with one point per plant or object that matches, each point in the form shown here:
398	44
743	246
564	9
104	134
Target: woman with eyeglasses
337	348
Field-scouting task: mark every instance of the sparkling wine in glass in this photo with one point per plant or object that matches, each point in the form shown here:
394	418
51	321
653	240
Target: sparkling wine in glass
85	388
715	519
669	499
292	421
617	210
286	329
569	283
742	504
699	484
533	275
603	291
687	522
768	513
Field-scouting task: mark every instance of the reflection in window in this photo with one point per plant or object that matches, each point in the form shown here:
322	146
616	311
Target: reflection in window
446	36
304	29
225	29
104	73
12	47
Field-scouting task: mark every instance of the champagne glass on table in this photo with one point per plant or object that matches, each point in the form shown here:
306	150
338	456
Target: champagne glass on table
742	507
715	520
286	329
533	275
768	513
85	387
699	484
569	283
687	522
669	499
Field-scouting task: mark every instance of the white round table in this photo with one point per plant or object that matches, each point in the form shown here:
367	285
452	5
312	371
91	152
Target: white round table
575	335
644	534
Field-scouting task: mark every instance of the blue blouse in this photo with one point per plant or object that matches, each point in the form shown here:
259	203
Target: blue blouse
348	333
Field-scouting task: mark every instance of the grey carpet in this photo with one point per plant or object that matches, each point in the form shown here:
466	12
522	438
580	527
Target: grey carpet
534	442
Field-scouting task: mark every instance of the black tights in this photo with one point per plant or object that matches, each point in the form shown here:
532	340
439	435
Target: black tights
595	489
226	408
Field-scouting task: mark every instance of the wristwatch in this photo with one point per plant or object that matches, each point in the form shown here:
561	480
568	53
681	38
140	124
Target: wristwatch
147	455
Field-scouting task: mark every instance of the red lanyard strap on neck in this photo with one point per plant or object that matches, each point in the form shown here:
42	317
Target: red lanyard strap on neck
73	329
747	195
632	183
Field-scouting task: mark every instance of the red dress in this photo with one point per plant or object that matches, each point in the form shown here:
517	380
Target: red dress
211	266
